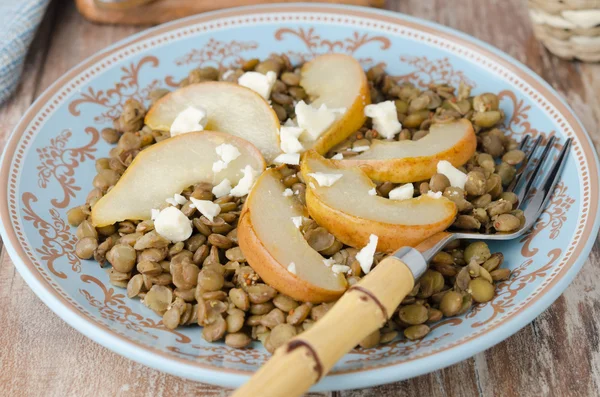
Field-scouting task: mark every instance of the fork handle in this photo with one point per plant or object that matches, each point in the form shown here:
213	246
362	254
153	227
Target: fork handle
363	309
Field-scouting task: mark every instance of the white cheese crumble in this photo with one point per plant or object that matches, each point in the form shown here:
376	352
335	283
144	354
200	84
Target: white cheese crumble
289	139
226	153
288	192
245	184
297	221
456	177
171	201
219	166
191	119
324	179
206	208
154	213
222	189
359	149
315	121
337	269
258	82
179	199
404	192
338	156
173	225
288	158
329	262
373	192
292	268
435	195
365	255
227	74
384	118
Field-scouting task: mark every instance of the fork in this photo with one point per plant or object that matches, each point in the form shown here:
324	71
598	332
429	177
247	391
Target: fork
369	304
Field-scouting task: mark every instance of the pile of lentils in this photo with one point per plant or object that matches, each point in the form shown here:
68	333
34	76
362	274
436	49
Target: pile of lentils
206	280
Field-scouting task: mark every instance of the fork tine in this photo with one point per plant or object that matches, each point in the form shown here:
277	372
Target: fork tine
546	188
521	171
525	191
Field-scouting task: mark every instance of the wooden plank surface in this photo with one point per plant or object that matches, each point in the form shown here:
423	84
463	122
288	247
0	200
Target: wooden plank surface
558	354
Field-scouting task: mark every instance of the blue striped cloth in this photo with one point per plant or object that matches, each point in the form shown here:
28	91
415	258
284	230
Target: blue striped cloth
19	19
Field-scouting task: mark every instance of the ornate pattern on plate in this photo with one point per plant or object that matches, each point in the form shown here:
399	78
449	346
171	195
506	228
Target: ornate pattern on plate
113	307
58	240
219	54
113	99
436	71
315	44
59	162
219	353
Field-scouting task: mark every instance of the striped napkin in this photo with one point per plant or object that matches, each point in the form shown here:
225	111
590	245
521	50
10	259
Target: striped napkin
19	19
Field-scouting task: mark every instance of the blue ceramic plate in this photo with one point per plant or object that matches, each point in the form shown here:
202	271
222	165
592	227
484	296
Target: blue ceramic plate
48	166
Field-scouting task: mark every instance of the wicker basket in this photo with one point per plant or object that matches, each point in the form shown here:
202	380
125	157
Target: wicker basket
569	29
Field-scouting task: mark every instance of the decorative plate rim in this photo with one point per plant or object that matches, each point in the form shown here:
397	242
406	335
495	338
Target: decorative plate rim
347	380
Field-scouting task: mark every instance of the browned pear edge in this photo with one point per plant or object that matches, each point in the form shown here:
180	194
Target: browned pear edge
355	231
271	271
411	169
205	84
353	118
158	146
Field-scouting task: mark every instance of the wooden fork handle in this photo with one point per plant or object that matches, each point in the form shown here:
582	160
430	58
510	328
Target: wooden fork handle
363	309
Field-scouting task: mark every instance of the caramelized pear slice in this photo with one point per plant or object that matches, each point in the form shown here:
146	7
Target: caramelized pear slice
351	214
337	81
230	108
271	242
412	161
168	167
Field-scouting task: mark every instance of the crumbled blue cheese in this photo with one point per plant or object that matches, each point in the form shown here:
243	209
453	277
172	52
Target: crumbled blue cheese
288	136
338	156
288	192
292	268
365	255
258	82
154	213
373	192
206	208
173	225
456	177
404	192
315	121
288	158
191	119
324	179
222	189
245	184
384	118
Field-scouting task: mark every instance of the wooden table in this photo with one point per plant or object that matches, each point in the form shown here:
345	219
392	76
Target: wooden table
558	354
